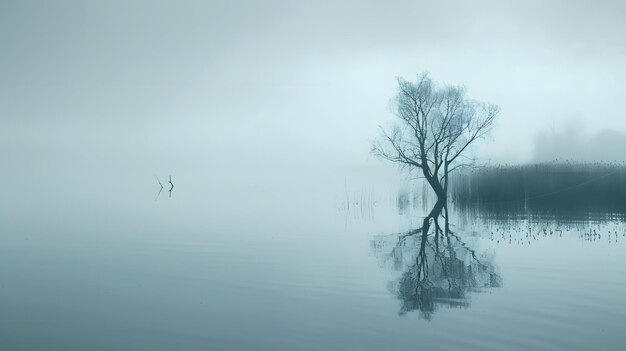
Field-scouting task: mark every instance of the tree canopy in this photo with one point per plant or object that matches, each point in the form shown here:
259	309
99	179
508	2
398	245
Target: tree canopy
436	125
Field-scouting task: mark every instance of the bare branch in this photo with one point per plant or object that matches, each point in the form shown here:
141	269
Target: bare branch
437	126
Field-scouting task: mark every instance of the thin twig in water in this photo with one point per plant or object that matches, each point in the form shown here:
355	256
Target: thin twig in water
158	180
160	190
172	185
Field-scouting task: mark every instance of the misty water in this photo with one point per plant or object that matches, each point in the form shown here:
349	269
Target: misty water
100	263
284	231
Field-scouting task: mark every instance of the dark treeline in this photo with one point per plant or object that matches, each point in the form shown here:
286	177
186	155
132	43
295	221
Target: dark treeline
559	188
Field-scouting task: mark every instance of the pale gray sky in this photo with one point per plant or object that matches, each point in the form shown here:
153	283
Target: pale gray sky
301	84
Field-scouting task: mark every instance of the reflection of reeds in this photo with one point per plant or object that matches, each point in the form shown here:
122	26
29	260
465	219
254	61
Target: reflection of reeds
548	187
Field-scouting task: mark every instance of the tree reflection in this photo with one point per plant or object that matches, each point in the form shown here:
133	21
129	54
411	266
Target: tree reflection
438	267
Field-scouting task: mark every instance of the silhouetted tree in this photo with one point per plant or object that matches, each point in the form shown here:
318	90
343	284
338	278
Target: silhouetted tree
437	125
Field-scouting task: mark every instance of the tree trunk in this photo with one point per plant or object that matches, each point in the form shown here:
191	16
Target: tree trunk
435	184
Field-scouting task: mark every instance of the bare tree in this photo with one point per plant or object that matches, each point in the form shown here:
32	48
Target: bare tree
436	127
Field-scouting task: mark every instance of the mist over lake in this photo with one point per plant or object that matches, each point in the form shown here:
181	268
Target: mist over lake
204	175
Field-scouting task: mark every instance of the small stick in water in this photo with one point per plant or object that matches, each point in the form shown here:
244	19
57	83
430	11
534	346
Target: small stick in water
172	185
158	180
160	190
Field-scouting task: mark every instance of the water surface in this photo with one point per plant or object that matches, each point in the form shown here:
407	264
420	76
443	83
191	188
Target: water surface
88	263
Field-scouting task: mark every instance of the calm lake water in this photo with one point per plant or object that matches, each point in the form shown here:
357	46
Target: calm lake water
233	264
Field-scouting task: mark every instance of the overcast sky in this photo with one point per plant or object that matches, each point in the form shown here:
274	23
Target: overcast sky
295	83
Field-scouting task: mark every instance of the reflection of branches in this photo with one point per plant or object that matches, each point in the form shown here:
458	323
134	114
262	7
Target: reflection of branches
438	268
463	245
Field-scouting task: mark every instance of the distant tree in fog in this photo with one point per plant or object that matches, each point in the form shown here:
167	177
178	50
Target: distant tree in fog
436	126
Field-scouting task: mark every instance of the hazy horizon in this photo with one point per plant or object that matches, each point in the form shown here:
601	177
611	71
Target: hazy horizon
279	230
281	85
